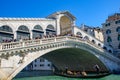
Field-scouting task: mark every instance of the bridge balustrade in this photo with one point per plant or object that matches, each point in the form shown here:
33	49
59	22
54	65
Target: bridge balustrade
28	43
11	45
48	40
61	38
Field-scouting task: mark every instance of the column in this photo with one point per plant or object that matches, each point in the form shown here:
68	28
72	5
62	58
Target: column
15	35
31	34
58	25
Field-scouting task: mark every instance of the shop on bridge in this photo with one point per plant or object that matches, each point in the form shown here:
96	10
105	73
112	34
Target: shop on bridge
6	34
37	32
50	31
23	33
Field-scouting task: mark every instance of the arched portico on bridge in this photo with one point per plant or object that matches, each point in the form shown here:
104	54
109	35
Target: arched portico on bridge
50	30
23	32
65	25
79	34
6	33
37	32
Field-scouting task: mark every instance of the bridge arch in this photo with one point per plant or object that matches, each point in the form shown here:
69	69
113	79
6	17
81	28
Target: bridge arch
45	50
45	46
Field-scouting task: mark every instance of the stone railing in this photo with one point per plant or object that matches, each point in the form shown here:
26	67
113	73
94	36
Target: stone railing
28	43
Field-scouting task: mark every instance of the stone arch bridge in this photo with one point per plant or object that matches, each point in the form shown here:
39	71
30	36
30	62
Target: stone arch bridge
15	56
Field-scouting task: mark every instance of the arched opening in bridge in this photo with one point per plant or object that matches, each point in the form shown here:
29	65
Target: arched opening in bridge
50	30
23	32
78	34
73	58
86	38
6	33
65	25
37	32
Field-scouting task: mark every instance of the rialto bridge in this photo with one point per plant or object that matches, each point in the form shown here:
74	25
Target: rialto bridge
25	46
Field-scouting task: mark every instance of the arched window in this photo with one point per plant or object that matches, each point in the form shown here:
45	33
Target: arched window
104	48
23	32
78	34
93	41
111	46
6	28
37	32
23	28
110	51
118	37
50	30
51	27
6	33
118	29
38	27
99	44
86	38
108	31
109	39
119	46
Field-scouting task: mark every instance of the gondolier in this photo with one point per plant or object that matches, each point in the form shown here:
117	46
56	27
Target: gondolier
97	68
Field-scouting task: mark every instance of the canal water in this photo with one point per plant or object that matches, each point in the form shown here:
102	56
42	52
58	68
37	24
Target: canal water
110	77
40	76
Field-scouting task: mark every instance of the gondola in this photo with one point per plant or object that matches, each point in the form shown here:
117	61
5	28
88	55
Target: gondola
100	75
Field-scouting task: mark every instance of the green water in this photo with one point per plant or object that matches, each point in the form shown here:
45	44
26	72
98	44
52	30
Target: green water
110	77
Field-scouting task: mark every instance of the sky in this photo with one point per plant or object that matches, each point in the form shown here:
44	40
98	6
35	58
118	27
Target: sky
89	12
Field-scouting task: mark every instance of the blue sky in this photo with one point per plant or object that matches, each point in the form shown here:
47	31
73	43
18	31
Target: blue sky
89	12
